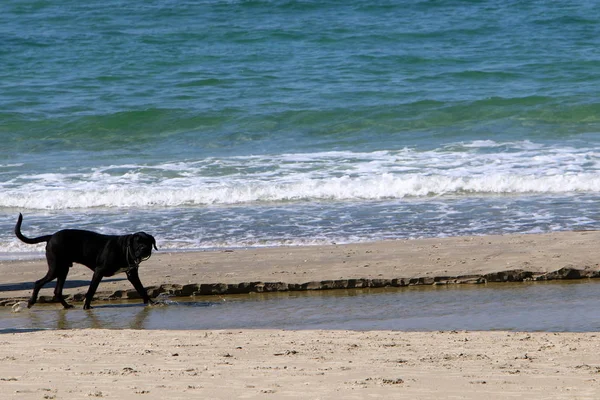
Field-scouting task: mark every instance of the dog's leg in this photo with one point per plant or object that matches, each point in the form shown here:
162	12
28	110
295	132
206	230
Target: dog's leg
60	283
92	290
50	275
39	285
134	278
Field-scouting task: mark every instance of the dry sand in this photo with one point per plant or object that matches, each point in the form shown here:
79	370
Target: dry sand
274	364
268	364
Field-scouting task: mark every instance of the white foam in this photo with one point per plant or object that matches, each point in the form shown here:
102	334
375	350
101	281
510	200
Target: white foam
19	306
474	169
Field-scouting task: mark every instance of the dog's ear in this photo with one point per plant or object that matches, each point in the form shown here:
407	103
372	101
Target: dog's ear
152	240
145	237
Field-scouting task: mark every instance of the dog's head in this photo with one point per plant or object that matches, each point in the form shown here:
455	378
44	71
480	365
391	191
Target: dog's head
141	244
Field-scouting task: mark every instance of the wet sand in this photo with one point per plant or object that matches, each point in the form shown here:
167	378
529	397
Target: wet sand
314	364
388	263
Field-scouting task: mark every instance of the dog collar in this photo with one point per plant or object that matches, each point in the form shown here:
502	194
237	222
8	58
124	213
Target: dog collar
133	264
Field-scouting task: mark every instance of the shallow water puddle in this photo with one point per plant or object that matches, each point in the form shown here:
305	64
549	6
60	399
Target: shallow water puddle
565	306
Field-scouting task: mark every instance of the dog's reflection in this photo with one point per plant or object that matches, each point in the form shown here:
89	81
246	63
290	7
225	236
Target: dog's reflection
164	314
137	316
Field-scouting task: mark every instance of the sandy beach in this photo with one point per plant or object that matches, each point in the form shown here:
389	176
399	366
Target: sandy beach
312	364
298	364
387	263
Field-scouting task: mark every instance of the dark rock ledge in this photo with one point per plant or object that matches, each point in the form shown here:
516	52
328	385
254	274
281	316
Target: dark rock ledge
516	275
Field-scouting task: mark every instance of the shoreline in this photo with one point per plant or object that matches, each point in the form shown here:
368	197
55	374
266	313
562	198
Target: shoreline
315	364
432	261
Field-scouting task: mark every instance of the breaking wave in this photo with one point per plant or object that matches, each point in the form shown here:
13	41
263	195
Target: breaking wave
471	169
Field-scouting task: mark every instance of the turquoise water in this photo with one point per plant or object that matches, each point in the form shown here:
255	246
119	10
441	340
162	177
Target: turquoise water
246	123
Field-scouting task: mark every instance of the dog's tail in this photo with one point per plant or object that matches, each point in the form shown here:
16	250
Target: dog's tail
26	239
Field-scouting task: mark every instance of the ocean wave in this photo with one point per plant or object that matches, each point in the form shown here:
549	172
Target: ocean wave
474	168
385	186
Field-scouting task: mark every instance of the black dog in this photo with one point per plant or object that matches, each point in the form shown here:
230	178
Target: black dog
106	255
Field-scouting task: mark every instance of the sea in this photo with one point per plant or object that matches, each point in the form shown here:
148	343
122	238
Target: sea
216	124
